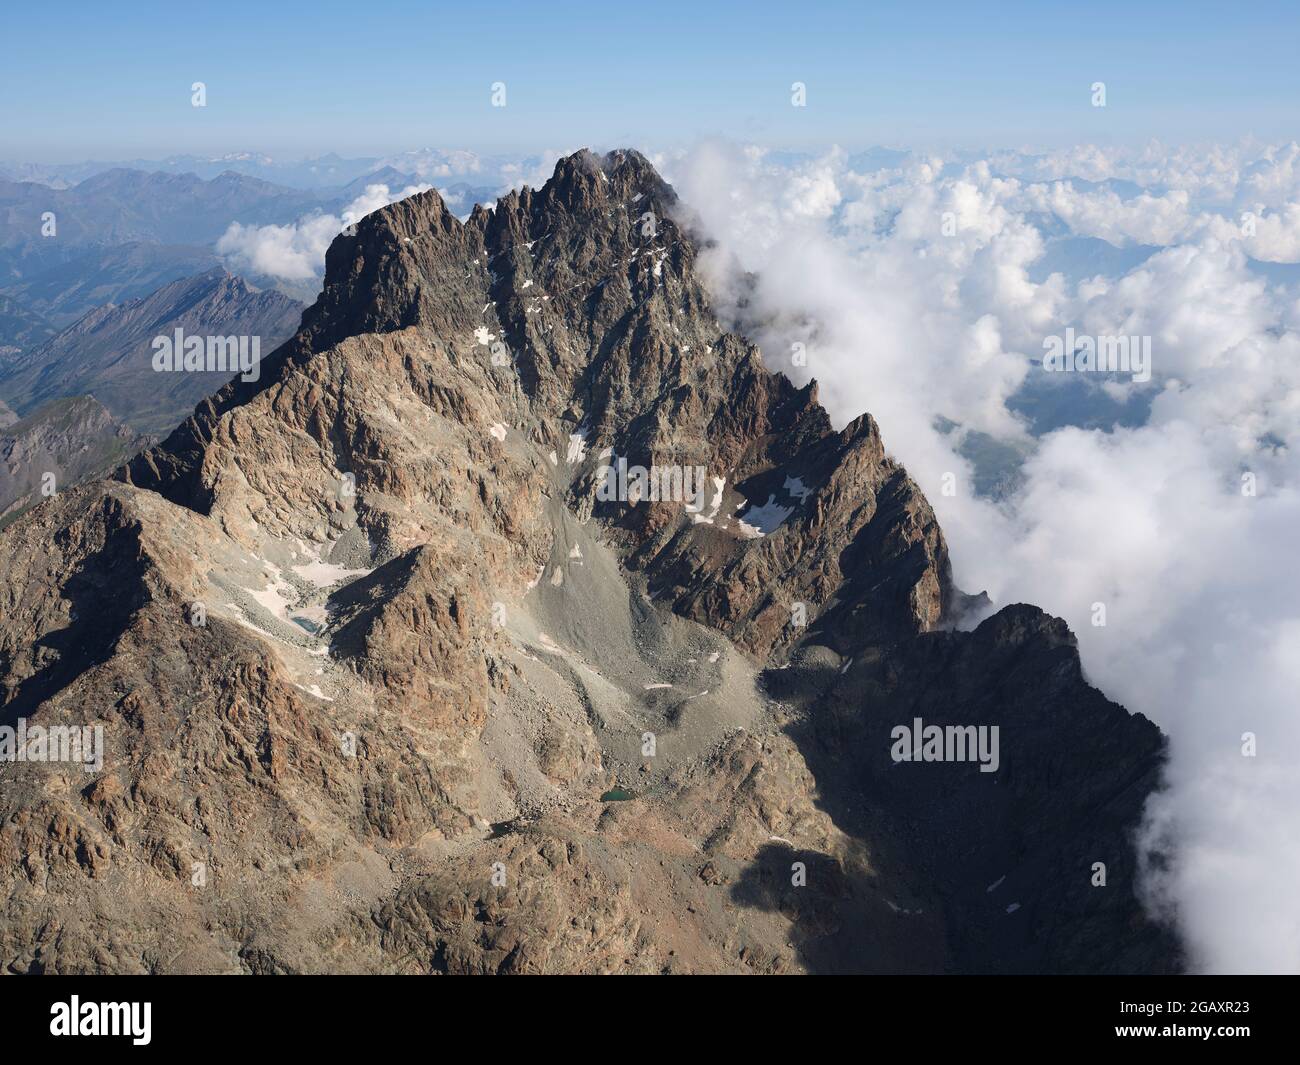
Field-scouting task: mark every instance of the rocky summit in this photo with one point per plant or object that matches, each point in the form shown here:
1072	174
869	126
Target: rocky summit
518	619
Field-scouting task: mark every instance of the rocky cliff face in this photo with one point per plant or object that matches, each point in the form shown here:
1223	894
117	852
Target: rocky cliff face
378	654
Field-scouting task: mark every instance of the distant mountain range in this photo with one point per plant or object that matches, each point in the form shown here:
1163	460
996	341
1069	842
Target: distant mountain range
108	351
20	327
121	232
64	292
330	171
123	206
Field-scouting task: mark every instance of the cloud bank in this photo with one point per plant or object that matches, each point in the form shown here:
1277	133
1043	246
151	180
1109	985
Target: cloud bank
925	292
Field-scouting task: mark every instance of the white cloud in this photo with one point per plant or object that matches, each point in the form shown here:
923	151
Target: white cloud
1202	594
431	164
296	252
1144	219
534	172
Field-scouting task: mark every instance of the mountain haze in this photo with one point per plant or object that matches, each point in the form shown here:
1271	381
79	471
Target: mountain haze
108	352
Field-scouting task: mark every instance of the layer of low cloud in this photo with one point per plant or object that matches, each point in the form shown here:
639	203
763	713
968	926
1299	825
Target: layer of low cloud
296	251
913	290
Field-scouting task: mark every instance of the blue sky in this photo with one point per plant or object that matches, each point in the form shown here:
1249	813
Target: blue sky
113	81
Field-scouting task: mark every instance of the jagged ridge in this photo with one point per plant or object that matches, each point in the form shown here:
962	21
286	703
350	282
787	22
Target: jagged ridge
506	647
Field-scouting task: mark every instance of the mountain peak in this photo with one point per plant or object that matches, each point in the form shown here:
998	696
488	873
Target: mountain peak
510	501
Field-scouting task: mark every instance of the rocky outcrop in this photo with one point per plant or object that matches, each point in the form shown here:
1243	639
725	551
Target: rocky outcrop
390	681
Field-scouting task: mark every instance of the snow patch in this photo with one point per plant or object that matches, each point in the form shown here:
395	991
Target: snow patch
761	521
273	598
797	489
325	574
715	504
577	447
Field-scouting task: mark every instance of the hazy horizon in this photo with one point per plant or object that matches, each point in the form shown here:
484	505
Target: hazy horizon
944	75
